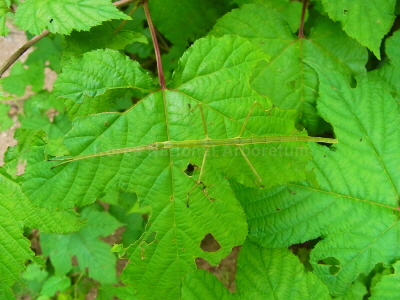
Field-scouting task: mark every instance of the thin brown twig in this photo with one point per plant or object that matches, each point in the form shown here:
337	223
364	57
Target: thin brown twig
122	2
155	43
17	54
163	42
134	8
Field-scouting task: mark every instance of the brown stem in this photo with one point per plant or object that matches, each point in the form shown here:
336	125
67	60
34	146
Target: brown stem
135	7
163	42
13	58
155	43
303	16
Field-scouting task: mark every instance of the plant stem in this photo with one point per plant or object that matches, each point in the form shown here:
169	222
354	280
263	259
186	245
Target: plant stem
155	43
135	7
122	2
303	16
13	58
163	42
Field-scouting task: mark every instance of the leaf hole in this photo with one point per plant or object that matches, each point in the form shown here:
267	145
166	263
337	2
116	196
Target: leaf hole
190	169
345	11
303	250
151	238
209	243
333	263
333	270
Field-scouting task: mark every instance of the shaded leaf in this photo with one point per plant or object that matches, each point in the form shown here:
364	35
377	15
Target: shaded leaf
100	37
389	73
185	21
290	10
365	20
5	121
4	30
22	76
90	252
14	246
387	288
55	284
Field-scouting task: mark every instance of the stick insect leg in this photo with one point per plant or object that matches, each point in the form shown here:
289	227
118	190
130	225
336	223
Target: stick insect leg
249	163
203	119
240	135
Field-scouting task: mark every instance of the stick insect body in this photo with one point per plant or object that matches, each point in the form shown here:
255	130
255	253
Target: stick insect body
207	143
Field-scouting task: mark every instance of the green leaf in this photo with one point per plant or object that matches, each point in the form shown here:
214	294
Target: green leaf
44	112
386	289
186	205
100	37
2	97
341	207
287	79
357	291
389	73
48	51
122	292
63	16
265	273
365	20
55	284
22	76
33	278
91	83
201	285
14	247
138	24
26	140
90	252
290	10
185	21
5	121
4	8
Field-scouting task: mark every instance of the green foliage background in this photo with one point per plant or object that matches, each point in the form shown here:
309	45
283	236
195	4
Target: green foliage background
314	221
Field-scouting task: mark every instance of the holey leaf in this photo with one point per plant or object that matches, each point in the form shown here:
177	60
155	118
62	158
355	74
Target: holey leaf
355	207
63	16
187	187
287	78
262	273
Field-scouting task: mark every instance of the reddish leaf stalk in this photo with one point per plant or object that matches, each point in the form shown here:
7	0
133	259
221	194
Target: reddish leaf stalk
303	16
155	43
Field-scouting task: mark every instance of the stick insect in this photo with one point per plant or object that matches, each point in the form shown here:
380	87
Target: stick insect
207	142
